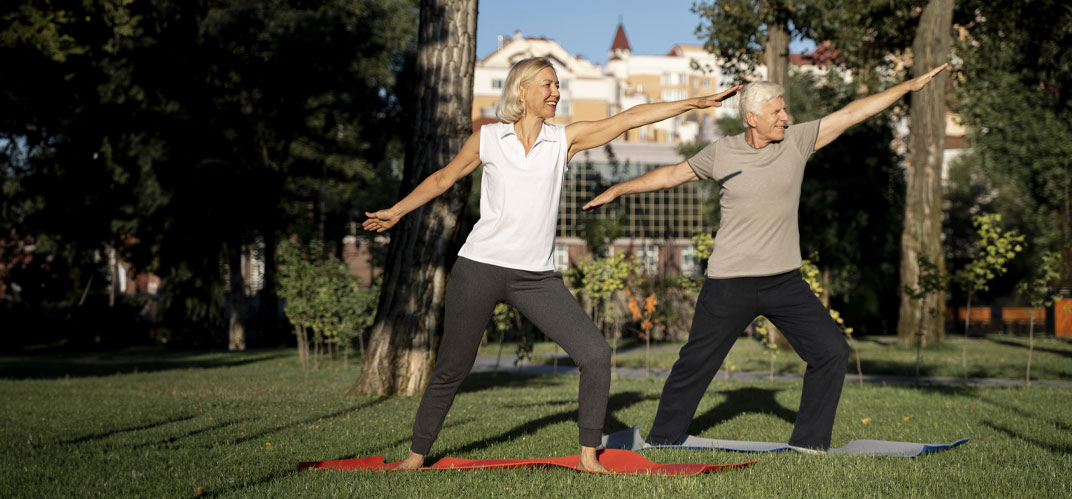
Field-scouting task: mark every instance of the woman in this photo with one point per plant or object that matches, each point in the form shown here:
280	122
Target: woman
508	255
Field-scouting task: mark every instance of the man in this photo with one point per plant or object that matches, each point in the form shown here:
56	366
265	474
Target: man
754	267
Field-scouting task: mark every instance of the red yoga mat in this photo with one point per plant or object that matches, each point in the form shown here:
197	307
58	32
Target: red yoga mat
619	462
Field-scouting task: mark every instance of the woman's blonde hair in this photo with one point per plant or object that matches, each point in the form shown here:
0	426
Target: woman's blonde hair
509	109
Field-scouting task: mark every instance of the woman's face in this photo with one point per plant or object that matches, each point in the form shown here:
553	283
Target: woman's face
540	95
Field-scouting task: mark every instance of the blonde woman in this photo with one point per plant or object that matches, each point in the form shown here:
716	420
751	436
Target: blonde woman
508	255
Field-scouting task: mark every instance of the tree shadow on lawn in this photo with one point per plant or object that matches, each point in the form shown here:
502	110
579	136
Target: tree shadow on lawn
1062	353
476	382
109	433
908	369
948	390
262	433
54	366
1061	425
227	491
1060	448
742	401
616	402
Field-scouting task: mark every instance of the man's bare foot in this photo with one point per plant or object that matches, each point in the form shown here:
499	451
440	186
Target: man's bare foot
589	462
414	461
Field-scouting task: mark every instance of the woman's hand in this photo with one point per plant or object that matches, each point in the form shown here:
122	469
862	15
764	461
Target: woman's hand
716	100
380	221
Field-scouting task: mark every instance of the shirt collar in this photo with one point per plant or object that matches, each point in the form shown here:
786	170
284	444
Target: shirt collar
545	133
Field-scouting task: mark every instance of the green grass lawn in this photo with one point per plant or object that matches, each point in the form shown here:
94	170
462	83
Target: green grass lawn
996	356
171	424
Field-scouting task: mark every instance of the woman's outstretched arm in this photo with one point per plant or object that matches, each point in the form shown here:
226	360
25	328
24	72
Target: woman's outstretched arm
437	183
588	134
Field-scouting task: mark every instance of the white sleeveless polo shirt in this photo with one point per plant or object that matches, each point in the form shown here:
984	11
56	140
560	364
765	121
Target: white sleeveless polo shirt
519	196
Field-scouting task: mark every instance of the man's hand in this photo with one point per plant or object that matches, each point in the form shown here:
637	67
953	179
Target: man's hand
716	100
917	83
380	221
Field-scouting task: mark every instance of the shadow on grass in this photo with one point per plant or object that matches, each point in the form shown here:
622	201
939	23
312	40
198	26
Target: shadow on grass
742	401
616	401
262	433
53	366
228	491
1060	448
1023	414
476	382
1062	353
949	390
109	433
900	368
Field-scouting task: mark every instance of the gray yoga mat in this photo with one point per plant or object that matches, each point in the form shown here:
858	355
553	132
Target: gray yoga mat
630	439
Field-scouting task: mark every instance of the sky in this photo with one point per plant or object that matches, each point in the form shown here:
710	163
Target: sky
586	27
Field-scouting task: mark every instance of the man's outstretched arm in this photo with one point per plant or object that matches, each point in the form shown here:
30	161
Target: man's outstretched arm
835	123
655	180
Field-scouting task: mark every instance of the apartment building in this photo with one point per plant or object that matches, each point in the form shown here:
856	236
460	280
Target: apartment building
592	92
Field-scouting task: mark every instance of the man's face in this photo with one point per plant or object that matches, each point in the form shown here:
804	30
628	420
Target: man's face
770	123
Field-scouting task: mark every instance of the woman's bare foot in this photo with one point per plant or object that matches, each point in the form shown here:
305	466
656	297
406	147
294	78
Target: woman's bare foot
414	461
589	462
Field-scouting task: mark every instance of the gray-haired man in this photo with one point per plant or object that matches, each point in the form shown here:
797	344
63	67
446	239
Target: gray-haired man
754	267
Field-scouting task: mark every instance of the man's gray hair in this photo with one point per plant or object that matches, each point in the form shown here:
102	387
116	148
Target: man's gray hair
754	95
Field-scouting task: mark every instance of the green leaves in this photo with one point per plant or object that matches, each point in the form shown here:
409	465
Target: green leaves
992	250
1038	290
320	294
704	244
603	276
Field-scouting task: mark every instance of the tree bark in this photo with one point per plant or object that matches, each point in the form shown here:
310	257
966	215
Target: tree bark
236	325
403	342
776	54
923	199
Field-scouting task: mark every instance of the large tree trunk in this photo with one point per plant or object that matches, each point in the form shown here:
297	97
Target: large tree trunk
776	55
405	337
923	199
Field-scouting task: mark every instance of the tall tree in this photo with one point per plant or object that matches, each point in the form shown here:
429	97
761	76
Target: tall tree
747	33
1015	99
405	337
879	37
926	147
174	132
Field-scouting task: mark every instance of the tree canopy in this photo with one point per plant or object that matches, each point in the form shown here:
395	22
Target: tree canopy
167	131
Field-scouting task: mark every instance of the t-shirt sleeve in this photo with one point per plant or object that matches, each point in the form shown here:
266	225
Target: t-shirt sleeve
804	136
703	162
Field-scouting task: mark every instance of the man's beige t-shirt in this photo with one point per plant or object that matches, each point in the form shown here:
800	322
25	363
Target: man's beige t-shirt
760	191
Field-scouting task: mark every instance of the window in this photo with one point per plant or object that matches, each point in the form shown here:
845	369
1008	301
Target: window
690	265
647	257
672	95
561	257
497	83
564	108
